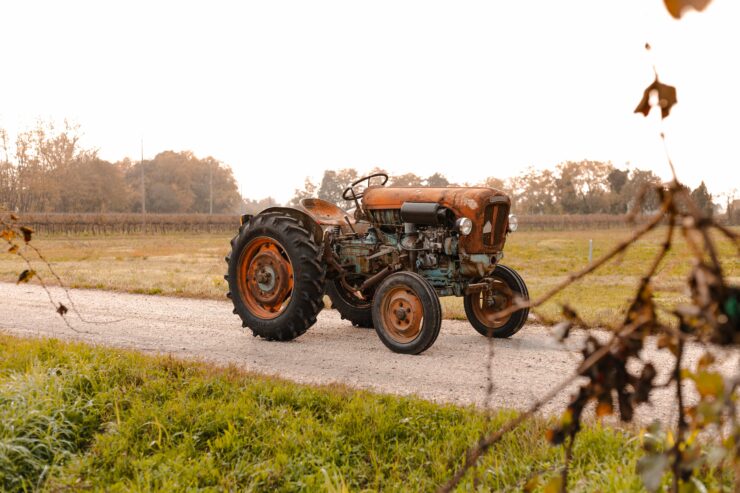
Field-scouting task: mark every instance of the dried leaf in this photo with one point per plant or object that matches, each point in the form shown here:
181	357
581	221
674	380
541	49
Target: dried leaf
27	232
666	98
25	276
532	484
677	7
708	383
13	248
7	234
13	217
605	408
62	310
555	485
706	360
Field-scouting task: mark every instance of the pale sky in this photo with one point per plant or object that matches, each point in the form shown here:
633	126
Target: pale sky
284	89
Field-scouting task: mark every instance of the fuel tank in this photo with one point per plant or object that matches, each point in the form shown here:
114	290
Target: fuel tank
486	207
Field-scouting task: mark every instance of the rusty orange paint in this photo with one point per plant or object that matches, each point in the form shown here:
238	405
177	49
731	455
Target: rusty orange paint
470	202
323	212
402	313
265	277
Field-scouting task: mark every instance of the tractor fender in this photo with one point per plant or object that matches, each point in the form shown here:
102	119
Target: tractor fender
306	220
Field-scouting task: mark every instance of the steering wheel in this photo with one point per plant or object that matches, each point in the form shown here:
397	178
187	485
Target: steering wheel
351	194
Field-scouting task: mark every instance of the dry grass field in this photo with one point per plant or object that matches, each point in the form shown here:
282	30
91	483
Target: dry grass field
192	265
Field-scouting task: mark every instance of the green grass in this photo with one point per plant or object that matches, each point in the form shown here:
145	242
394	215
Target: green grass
78	417
193	266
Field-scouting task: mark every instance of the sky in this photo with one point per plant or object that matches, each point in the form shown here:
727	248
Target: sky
280	90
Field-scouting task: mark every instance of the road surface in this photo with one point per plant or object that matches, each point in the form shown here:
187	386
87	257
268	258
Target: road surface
454	370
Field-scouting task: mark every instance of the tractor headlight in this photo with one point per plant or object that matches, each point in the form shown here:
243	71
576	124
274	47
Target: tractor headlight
464	226
513	223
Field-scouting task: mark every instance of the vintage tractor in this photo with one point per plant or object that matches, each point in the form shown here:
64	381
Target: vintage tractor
384	264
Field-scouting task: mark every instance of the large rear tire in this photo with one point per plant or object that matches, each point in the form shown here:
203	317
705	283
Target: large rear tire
406	313
481	307
276	281
357	311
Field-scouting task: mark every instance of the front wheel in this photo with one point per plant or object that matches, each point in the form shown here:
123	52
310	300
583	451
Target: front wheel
406	313
482	308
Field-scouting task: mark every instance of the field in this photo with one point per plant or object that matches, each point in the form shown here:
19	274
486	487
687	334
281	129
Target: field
192	265
77	417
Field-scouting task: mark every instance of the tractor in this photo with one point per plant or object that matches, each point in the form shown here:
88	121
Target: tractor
383	264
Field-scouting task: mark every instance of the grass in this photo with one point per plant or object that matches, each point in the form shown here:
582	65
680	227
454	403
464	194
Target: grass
78	417
192	265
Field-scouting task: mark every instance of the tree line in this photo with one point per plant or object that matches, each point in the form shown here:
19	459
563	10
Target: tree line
572	187
46	169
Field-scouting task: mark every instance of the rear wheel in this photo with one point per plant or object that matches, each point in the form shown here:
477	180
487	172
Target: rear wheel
406	313
350	307
275	279
482	308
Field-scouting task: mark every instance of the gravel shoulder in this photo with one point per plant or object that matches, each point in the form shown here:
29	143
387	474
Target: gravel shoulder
454	370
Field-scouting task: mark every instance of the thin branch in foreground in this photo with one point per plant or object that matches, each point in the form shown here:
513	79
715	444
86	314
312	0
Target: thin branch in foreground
489	440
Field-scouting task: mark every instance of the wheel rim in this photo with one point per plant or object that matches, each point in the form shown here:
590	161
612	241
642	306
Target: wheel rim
402	313
265	277
487	304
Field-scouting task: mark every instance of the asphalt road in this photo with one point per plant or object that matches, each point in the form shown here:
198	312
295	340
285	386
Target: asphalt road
524	367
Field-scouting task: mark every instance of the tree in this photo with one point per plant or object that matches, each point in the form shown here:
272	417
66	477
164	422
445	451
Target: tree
703	199
639	183
437	180
180	182
617	178
308	191
406	180
493	182
582	186
99	186
333	184
534	192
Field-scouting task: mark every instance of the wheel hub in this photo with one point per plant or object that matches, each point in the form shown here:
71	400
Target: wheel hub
267	277
402	314
499	297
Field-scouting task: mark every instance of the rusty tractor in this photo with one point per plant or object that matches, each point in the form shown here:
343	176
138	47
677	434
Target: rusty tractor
383	264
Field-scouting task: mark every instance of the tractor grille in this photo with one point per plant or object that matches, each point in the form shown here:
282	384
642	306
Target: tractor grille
494	227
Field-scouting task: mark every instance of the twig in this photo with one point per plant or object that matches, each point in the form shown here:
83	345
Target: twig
487	441
67	293
566	463
681	428
654	222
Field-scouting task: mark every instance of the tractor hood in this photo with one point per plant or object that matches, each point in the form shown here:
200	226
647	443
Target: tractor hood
486	207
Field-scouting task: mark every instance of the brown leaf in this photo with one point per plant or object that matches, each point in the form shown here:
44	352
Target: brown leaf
677	7
62	310
13	217
666	98
706	360
25	276
27	232
7	234
13	248
605	408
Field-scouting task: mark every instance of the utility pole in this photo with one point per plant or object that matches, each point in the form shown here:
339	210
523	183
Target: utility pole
210	188
143	188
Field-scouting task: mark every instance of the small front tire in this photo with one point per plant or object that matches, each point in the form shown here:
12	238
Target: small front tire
481	308
406	312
